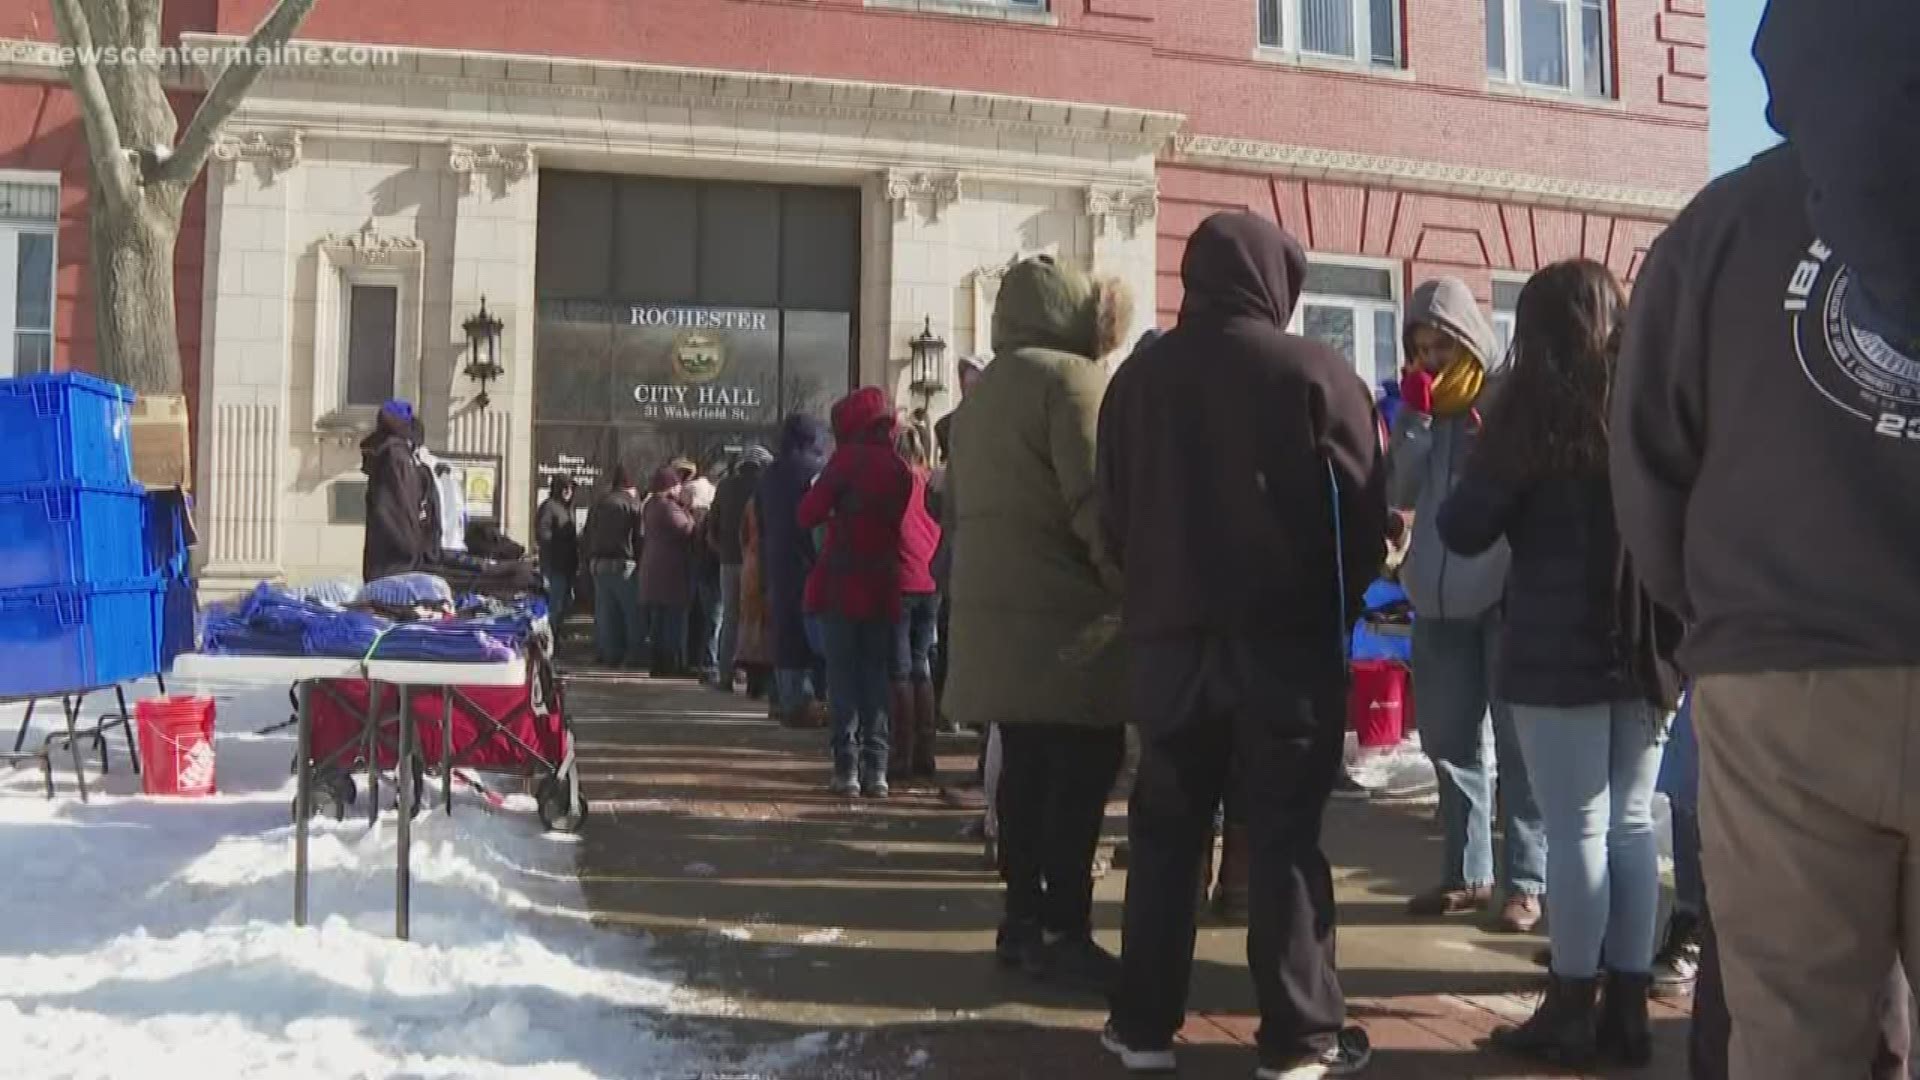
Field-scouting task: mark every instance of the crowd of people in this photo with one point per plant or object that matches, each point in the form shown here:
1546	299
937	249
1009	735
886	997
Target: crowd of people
1178	546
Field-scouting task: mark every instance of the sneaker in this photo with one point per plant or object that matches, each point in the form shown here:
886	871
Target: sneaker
876	788
1677	967
844	785
1136	1060
1346	787
1075	963
1014	941
1349	1055
1520	914
1450	901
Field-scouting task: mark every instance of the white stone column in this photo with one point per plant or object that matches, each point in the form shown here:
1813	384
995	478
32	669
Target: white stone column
921	289
1124	219
493	258
246	318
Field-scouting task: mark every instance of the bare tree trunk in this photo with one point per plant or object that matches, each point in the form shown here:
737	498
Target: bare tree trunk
140	177
133	242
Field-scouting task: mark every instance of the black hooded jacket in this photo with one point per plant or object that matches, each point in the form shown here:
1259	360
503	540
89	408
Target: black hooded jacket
1219	446
396	533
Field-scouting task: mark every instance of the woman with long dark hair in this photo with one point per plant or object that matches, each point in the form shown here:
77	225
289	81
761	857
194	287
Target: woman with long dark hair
1590	730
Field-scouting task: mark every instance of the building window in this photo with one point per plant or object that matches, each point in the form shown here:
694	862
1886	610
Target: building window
1354	307
1363	31
1551	44
29	215
1506	305
347	502
372	341
367	325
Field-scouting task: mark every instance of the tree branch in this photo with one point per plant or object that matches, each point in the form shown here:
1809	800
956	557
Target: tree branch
109	157
230	89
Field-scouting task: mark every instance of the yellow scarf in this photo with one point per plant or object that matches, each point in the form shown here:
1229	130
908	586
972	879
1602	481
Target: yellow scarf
1457	386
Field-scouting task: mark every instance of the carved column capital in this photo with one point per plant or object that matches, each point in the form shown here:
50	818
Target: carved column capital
938	190
507	164
1126	208
271	152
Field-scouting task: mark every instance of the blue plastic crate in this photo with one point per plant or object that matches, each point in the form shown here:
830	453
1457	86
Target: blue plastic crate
65	427
70	534
176	609
72	637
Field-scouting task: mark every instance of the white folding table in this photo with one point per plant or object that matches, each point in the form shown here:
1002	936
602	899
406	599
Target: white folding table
194	669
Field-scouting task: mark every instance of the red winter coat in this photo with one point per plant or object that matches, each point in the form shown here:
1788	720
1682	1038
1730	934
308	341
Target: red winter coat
861	498
919	539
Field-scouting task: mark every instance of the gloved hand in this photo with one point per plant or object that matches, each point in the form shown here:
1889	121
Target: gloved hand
1416	391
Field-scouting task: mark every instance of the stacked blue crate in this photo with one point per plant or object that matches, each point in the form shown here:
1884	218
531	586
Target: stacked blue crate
81	586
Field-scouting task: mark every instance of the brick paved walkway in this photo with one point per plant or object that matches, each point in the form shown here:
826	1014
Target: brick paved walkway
871	924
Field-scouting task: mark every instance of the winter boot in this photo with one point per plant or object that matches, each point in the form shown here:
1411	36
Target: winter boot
1677	967
1562	1031
1623	1035
925	765
900	725
1230	892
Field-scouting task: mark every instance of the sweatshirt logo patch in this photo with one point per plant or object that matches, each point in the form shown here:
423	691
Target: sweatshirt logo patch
1855	369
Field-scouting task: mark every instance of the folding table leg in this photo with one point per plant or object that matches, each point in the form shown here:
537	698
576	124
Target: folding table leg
372	735
20	739
71	706
403	779
302	796
446	750
126	725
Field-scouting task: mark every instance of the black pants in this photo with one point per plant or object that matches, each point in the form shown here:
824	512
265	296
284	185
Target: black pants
1223	719
1712	1028
1052	801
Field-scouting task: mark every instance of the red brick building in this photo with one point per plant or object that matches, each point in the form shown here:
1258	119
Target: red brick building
786	191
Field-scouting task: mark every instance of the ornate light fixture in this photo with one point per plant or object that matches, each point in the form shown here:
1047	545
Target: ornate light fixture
929	364
483	350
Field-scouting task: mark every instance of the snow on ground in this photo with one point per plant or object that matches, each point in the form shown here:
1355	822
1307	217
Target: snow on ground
152	937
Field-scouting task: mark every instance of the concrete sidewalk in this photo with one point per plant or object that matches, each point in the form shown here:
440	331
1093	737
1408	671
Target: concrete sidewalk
872	923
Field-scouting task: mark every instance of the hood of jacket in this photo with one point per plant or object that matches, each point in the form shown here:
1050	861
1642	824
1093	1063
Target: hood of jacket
804	441
1044	304
863	416
389	432
1840	79
1241	266
1447	303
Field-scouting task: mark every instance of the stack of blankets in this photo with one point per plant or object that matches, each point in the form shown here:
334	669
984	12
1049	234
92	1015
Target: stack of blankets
389	620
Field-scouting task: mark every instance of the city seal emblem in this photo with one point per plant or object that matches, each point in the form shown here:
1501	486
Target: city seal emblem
699	357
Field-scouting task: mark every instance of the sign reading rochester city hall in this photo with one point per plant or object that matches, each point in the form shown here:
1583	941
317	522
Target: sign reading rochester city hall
703	365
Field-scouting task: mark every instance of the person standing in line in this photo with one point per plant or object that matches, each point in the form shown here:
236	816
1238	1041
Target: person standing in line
1236	625
1767	469
916	635
703	565
1031	579
755	651
559	540
611	544
666	573
1591	732
724	527
971	369
786	558
854	587
1452	376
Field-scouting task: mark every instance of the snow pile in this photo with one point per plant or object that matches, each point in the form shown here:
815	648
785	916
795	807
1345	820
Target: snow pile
154	938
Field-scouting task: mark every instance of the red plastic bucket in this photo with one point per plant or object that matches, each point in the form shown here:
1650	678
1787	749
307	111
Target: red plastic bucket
176	745
1377	703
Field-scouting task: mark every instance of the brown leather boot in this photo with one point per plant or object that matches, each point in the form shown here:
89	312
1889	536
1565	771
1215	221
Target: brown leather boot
926	721
900	732
1230	894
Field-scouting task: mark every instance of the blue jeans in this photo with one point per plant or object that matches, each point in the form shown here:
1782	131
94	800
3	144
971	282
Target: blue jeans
1595	766
1453	663
1680	779
915	636
667	623
706	647
619	633
727	649
796	688
859	658
559	582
